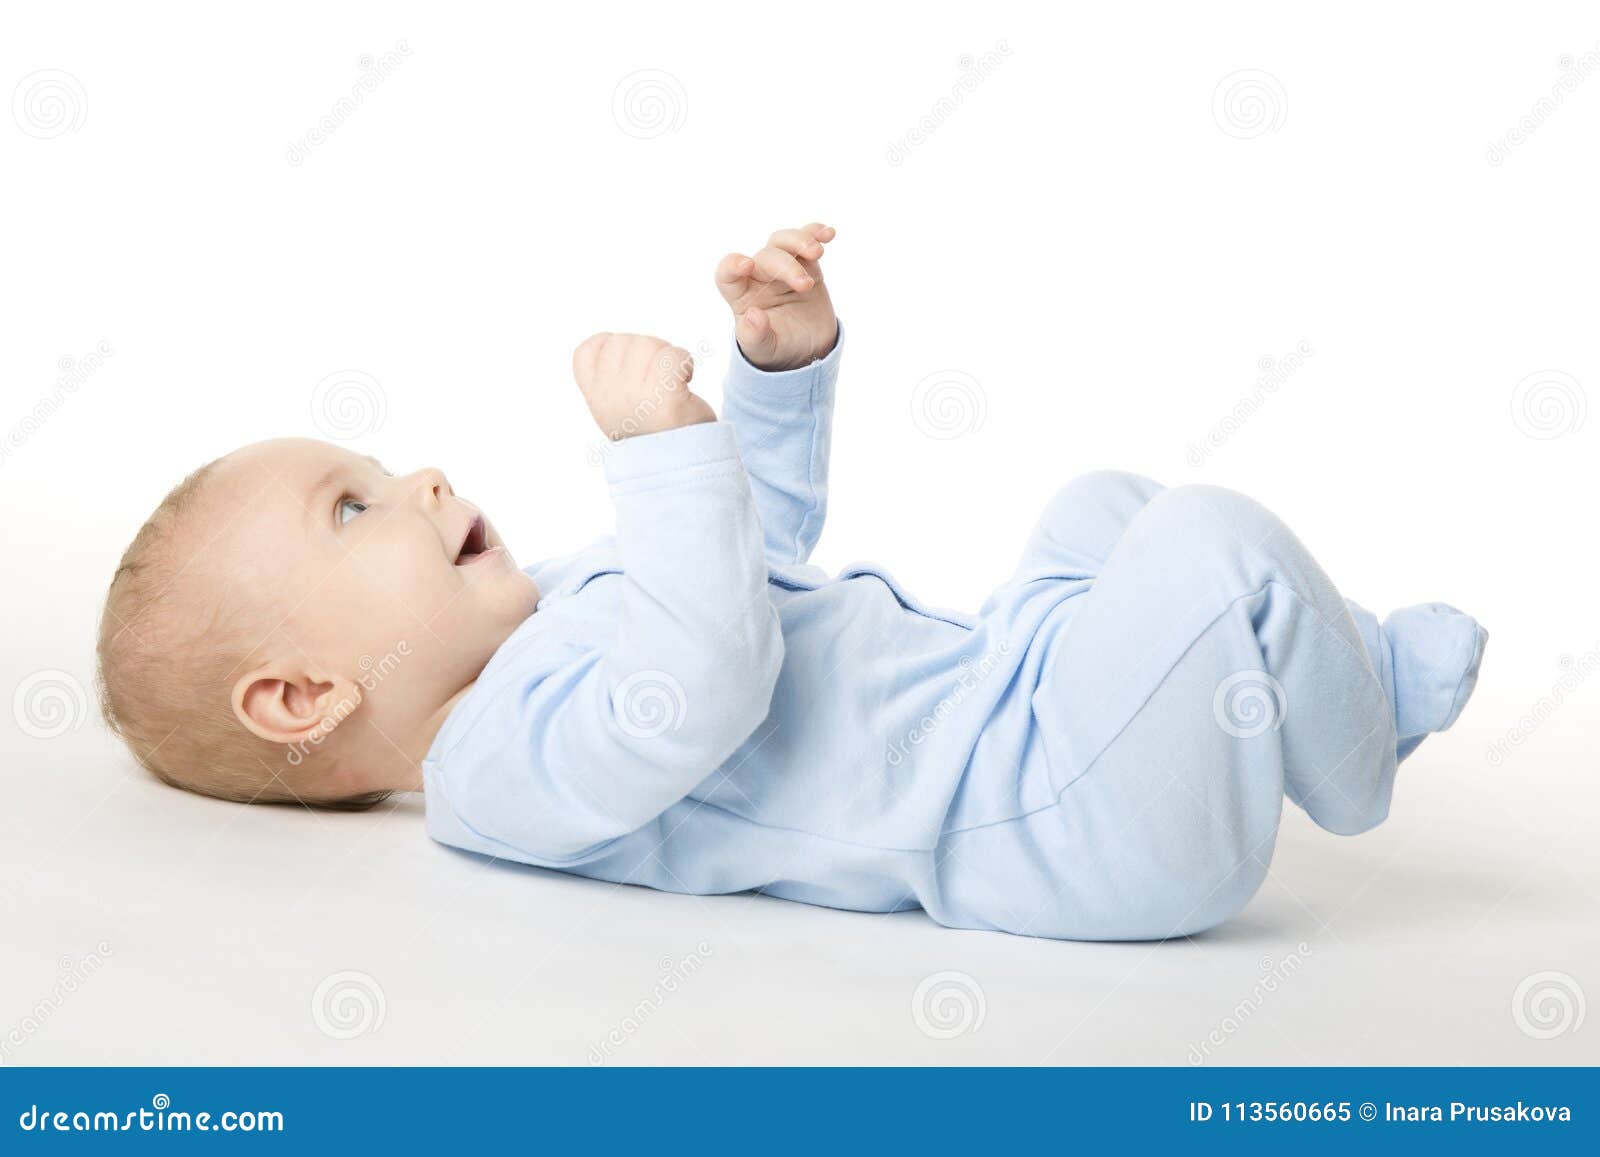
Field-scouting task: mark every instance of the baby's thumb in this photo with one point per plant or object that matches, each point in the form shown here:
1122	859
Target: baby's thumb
754	331
675	365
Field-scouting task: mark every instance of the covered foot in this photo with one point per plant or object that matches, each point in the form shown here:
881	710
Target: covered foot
1435	652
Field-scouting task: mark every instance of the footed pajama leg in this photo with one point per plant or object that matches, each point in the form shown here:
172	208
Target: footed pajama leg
1211	669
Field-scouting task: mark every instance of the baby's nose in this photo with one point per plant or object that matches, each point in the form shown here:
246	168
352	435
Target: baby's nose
434	485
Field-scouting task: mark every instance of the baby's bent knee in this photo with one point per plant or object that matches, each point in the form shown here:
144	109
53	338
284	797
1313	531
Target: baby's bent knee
1211	522
1109	489
1214	505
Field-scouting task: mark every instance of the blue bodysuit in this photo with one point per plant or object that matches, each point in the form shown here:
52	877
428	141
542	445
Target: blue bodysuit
1101	752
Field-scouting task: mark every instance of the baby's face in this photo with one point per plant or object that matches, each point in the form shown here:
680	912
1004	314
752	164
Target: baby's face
331	558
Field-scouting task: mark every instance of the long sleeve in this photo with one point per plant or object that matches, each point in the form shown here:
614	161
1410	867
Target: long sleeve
785	425
577	744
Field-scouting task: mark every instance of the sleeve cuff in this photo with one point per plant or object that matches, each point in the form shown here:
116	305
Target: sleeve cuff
800	381
686	448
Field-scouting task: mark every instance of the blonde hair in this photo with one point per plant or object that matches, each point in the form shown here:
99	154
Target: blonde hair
164	669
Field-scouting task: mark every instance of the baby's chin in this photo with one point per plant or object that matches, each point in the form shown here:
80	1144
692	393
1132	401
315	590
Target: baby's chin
493	599
505	593
478	622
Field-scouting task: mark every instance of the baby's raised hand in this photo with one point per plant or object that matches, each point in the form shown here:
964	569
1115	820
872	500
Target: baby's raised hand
783	318
637	385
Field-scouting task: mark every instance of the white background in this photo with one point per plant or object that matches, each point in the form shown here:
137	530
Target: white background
1094	240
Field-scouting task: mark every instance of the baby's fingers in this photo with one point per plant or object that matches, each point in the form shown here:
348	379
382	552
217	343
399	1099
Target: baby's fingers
776	265
802	243
733	275
586	355
674	366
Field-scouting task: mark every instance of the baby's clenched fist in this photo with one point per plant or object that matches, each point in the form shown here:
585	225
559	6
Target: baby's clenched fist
637	385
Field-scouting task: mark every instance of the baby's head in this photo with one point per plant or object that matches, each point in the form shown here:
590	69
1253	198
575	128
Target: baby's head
294	622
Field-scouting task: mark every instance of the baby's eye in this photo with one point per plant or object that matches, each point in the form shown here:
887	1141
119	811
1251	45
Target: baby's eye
349	508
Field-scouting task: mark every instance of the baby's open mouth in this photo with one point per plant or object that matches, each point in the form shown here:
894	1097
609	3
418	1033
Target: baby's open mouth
475	545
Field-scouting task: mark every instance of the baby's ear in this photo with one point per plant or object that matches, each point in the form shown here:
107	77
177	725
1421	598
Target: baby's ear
290	703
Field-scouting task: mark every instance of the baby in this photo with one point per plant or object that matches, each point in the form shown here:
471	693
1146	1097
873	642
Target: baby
1100	752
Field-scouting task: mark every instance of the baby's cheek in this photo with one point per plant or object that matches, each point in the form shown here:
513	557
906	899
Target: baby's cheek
389	615
420	578
435	598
